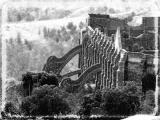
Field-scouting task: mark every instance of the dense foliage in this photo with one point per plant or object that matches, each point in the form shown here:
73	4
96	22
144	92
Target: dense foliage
90	103
86	106
10	108
15	92
45	100
148	82
31	79
148	103
51	100
123	101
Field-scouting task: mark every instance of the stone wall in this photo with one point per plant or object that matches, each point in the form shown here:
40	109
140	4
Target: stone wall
142	35
135	66
139	65
106	24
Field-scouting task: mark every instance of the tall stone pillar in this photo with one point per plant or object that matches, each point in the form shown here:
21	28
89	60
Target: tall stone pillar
102	72
94	48
97	49
84	52
106	73
85	58
91	51
80	62
115	68
103	63
112	67
89	55
100	61
121	69
107	65
112	55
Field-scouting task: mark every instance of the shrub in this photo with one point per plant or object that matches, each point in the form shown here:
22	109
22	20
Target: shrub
148	105
43	78
49	79
97	98
86	106
123	101
10	108
148	82
132	88
136	47
73	102
91	103
45	100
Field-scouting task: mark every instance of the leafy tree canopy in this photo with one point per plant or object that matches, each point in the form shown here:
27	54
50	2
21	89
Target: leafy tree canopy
45	100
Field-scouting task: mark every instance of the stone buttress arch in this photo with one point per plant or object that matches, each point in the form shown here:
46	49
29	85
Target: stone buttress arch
56	65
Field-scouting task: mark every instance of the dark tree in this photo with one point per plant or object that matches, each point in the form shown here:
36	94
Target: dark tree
124	101
71	27
43	78
86	106
45	33
136	47
97	98
10	108
148	82
27	83
49	79
19	39
28	44
45	101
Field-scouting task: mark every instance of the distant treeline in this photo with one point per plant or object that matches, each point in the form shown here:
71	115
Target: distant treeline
32	13
36	13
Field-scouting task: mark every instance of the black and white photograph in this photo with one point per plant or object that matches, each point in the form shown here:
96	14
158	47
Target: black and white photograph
80	60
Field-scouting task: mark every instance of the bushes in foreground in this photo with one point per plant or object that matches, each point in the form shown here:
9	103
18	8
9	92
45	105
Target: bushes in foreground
148	103
118	101
123	101
86	106
45	100
50	100
10	108
91	103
